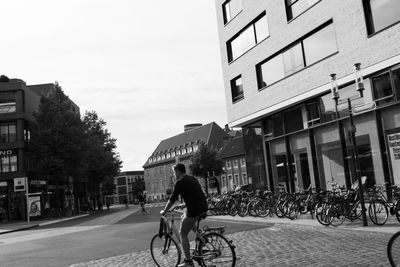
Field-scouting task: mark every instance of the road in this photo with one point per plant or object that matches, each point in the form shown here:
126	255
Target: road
93	237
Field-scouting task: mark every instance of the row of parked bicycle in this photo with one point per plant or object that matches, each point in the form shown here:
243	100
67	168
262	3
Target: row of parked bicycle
330	207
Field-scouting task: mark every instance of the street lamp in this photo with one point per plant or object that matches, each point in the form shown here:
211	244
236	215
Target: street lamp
352	132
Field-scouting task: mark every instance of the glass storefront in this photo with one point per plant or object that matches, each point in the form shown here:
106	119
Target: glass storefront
311	144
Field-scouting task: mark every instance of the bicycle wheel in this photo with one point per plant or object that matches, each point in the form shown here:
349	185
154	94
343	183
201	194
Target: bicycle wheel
378	212
262	210
216	250
393	250
397	210
335	213
165	251
321	213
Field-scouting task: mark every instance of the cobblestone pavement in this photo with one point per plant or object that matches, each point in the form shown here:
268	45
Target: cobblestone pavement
287	245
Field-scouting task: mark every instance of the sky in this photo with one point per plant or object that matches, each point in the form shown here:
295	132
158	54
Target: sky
146	67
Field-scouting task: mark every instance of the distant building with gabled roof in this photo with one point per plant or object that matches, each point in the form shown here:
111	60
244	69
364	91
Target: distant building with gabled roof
158	172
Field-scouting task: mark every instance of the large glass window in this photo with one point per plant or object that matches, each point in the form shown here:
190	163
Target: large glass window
313	113
296	7
293	120
293	59
7	103
248	37
9	163
237	89
386	86
314	47
319	45
8	132
230	9
381	14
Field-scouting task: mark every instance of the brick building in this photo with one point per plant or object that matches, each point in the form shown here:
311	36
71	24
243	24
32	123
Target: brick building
125	183
158	172
235	172
278	57
18	101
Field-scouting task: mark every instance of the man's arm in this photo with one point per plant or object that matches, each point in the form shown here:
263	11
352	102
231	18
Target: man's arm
167	207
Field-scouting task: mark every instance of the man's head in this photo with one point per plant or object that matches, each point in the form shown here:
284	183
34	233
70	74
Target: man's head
179	170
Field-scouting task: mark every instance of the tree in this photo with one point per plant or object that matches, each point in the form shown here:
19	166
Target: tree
103	161
205	163
57	143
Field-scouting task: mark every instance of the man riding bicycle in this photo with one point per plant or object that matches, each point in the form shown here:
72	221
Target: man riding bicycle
141	200
188	187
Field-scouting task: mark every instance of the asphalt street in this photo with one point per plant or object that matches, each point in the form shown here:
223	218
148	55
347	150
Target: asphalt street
94	237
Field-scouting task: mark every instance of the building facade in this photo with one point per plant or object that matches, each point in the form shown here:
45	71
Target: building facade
235	171
127	184
18	101
158	174
278	57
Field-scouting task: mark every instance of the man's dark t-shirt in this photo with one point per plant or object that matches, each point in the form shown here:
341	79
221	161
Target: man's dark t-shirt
190	190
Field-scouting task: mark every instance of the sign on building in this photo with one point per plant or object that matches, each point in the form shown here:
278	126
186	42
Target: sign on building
19	184
394	152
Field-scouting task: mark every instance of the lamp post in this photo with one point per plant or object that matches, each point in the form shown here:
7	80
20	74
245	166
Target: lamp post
352	132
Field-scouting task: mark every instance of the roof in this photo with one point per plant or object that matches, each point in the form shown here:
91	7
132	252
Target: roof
130	173
232	148
211	134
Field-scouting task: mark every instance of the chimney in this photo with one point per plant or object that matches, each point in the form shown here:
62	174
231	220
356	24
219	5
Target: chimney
189	127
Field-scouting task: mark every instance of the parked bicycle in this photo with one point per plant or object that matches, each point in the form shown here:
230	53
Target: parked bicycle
393	250
211	248
380	206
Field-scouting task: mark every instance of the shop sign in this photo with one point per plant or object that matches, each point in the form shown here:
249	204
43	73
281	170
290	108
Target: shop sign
34	206
6	152
394	151
3	183
19	184
37	182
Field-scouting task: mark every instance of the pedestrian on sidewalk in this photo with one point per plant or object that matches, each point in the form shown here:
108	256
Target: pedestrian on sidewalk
108	205
189	188
126	203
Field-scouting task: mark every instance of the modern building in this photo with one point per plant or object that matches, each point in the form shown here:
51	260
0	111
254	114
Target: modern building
158	172
127	184
235	172
18	101
282	60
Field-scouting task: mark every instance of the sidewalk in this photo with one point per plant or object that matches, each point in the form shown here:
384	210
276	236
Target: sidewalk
391	226
9	227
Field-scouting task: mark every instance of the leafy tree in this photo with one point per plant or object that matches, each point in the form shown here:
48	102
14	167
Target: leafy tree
205	163
57	143
103	161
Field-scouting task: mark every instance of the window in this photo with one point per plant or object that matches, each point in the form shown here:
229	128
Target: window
296	7
196	147
230	9
235	163
173	154
386	86
228	164
223	179
237	89
380	14
293	120
244	179
312	48
190	149
320	45
248	37
7	103
243	162
8	132
313	114
237	180
278	124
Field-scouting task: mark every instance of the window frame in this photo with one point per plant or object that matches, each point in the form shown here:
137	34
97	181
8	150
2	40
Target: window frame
258	66
236	97
224	15
237	35
369	21
288	6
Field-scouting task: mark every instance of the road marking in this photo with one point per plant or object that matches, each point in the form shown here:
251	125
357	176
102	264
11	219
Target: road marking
46	233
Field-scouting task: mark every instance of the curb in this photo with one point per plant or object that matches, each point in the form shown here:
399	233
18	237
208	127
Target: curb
43	224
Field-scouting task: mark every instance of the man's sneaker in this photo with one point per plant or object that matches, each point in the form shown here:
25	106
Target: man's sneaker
186	263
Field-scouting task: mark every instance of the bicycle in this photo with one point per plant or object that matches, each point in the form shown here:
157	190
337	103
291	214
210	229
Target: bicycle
380	206
211	247
393	250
